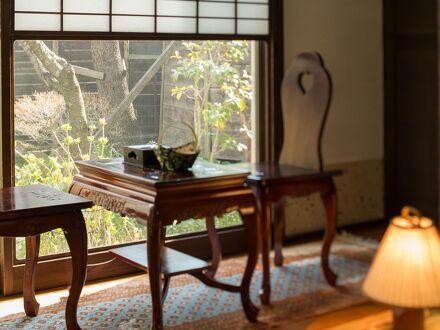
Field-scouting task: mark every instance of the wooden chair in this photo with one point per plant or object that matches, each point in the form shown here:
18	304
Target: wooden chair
300	171
32	210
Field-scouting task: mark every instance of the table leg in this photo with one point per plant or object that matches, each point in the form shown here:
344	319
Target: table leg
330	203
215	246
154	247
31	306
76	235
280	224
165	277
264	211
251	227
166	285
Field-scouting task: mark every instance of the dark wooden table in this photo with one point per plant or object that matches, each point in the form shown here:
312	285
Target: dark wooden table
271	183
32	210
156	199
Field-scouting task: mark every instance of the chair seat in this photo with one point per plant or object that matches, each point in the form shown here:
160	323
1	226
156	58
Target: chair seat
266	174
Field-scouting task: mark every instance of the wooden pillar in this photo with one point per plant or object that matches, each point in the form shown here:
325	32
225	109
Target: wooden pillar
411	106
6	93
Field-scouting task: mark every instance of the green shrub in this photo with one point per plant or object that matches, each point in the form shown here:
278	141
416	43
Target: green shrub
104	228
57	169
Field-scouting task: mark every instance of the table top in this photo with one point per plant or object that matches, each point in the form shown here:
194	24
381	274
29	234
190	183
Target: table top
254	174
37	199
201	171
274	173
136	191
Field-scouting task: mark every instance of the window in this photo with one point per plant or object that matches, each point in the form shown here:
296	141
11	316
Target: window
77	99
141	31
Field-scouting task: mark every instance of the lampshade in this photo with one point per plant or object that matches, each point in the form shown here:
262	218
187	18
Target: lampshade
406	268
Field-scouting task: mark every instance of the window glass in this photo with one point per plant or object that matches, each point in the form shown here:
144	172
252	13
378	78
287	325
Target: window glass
76	100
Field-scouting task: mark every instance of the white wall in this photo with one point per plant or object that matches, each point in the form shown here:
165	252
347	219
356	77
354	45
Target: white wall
348	34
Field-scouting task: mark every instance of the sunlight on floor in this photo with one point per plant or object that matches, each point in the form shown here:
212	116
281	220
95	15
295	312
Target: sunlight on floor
368	316
13	305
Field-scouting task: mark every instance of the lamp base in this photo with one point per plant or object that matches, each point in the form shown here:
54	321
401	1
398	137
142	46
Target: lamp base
408	318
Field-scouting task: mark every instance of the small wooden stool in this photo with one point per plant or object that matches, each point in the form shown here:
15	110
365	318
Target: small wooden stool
32	210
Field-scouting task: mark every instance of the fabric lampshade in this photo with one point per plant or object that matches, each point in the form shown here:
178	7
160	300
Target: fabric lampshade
406	268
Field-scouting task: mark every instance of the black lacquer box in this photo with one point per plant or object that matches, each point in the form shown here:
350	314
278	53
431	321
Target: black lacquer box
141	155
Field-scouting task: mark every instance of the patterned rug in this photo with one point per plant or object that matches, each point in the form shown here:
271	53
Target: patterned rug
299	291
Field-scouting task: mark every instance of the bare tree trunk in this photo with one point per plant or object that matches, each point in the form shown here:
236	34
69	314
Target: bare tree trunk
114	87
215	144
141	84
56	73
246	138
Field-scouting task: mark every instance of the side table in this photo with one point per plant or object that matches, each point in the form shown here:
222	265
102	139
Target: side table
157	199
32	210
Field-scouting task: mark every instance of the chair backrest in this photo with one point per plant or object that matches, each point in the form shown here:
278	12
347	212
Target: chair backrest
305	97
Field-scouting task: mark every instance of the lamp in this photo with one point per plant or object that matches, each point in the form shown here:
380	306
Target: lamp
405	271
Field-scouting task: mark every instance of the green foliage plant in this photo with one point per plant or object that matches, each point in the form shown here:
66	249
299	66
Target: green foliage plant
57	169
209	74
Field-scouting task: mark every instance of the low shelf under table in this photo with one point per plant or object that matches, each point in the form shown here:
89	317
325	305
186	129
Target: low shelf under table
156	199
173	262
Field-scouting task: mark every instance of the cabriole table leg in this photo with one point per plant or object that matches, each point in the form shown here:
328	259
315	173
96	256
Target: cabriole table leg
76	236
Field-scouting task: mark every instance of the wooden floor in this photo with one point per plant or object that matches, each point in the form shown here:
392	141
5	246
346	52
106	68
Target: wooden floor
363	317
369	316
14	304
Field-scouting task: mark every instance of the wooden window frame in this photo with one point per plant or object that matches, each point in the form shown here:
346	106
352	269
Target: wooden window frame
270	134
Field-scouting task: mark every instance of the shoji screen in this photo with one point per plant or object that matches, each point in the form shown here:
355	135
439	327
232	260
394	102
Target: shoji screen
229	17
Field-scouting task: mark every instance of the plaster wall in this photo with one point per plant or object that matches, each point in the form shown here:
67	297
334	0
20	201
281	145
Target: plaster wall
348	34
